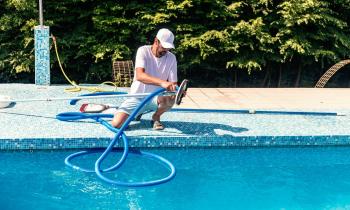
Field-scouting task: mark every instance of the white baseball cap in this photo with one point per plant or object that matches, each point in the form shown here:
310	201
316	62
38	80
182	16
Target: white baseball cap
166	38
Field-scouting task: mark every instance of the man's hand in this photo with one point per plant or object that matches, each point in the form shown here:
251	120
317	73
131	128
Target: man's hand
169	86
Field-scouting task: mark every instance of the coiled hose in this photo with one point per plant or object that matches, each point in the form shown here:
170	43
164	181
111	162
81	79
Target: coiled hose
69	116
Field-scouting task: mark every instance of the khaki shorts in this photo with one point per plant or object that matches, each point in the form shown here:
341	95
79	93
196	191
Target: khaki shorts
130	104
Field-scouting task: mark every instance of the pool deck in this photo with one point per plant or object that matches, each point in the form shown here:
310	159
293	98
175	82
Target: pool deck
33	125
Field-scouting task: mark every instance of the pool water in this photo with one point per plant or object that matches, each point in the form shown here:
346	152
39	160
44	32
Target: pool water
233	178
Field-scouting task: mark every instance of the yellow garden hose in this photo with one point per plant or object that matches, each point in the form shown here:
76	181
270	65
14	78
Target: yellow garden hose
77	87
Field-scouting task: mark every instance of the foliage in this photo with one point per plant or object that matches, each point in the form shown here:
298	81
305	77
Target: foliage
213	38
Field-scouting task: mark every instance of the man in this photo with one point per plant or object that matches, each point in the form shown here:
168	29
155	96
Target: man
155	66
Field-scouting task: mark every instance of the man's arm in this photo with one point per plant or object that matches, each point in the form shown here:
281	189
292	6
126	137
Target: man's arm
143	77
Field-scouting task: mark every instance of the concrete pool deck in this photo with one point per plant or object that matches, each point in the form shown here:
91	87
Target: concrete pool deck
32	125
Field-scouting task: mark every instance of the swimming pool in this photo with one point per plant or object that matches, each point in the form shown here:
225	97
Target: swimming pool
231	178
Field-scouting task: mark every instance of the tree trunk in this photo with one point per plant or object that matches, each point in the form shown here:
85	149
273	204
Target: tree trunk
269	80
279	76
297	81
266	77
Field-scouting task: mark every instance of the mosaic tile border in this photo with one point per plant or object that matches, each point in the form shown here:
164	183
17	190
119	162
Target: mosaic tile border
42	55
177	142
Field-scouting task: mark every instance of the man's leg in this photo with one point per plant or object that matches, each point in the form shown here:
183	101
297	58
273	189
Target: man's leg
125	109
164	104
118	119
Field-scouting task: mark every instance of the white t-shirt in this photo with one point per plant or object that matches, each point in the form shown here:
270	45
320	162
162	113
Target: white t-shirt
164	68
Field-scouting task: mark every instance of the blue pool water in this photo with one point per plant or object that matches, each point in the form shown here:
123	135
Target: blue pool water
233	178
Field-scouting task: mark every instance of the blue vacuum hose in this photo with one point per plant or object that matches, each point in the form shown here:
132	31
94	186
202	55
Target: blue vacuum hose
69	116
